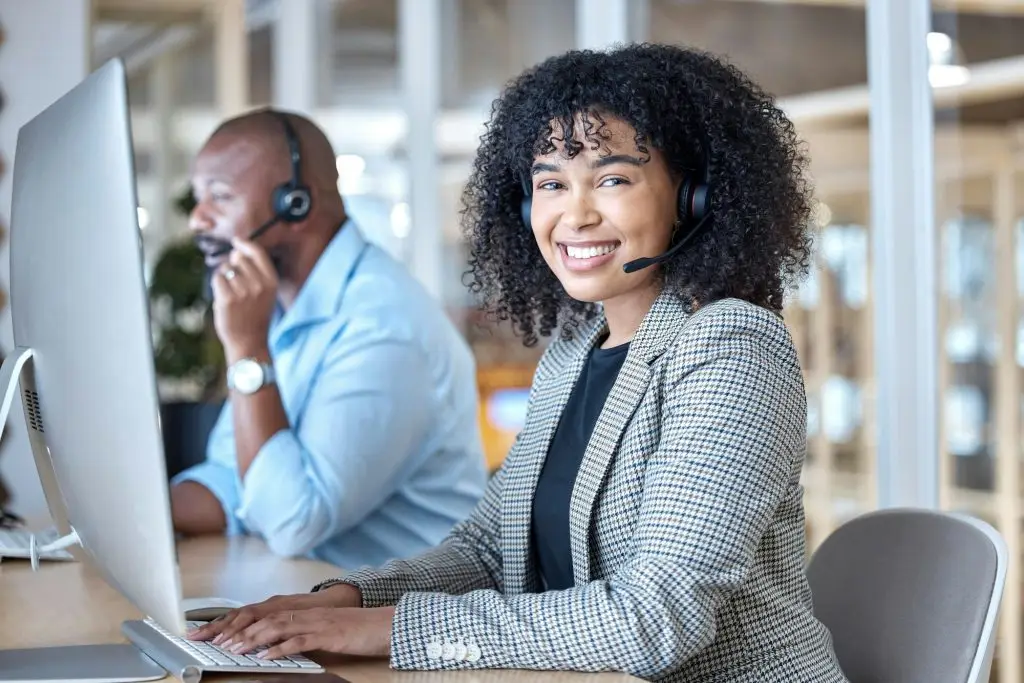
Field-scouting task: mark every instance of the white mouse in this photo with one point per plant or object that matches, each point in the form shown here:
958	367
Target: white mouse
207	609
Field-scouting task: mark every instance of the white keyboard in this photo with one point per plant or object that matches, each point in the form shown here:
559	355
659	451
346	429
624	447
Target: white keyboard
15	543
188	659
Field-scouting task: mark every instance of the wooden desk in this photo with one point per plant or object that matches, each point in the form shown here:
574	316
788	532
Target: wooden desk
67	603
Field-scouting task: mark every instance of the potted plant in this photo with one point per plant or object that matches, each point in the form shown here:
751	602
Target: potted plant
188	356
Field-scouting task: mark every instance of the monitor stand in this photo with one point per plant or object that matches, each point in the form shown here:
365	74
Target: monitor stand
115	663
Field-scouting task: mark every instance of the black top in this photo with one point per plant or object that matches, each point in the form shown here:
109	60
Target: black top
554	488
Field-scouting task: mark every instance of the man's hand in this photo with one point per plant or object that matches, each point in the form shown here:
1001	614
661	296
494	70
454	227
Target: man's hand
244	294
226	628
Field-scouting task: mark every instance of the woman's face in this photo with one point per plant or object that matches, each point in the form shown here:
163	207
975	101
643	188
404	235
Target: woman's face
601	209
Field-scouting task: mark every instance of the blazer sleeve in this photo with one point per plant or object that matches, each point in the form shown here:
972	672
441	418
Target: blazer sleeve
468	559
733	422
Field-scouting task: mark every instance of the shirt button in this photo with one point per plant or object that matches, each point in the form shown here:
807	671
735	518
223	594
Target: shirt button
460	651
434	650
448	651
472	652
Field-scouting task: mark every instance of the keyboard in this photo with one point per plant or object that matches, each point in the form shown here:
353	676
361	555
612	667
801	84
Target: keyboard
15	543
189	659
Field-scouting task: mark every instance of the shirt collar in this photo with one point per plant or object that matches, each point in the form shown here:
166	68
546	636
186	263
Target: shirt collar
322	293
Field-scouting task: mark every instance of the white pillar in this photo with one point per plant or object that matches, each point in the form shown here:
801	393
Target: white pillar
44	53
231	56
603	23
419	58
904	253
296	47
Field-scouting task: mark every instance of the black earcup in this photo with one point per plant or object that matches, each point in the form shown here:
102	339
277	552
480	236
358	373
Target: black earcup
525	209
694	200
292	202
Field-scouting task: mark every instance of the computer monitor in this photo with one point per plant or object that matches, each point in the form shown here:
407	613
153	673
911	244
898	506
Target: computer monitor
81	328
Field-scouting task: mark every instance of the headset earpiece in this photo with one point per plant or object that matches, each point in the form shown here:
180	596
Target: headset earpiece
292	200
694	200
292	204
526	206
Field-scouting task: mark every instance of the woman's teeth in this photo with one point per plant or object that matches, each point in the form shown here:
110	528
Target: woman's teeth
590	252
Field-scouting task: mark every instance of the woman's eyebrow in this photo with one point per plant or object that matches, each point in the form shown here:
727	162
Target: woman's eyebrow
617	159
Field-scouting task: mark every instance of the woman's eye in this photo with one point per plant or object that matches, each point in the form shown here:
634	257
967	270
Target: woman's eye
549	185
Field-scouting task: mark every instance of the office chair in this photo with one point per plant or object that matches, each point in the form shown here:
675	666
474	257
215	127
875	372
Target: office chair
911	596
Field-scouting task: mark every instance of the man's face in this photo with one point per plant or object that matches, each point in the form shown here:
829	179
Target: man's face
233	186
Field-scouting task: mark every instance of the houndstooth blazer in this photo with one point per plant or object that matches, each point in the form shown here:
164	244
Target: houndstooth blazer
686	522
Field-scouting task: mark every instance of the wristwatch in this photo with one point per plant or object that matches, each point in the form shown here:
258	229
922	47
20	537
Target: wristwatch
248	375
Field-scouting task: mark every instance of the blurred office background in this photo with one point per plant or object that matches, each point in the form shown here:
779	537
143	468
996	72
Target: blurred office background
403	87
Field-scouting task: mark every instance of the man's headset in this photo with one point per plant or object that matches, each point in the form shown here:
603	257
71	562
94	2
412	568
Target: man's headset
291	200
694	208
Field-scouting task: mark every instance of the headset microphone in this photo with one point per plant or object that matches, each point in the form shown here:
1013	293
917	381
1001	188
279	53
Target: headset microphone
252	236
641	263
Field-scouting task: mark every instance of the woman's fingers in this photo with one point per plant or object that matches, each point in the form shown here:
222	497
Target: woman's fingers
281	626
293	646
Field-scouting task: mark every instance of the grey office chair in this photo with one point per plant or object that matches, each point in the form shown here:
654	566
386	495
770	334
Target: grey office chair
911	596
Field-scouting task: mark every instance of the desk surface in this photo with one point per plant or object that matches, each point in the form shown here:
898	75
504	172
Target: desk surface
67	603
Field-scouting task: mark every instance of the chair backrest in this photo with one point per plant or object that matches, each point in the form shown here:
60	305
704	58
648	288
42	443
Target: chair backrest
911	596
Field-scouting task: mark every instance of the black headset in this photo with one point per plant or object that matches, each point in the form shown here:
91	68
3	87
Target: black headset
693	208
292	200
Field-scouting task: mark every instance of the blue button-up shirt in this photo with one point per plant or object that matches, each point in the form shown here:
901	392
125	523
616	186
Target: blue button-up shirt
383	455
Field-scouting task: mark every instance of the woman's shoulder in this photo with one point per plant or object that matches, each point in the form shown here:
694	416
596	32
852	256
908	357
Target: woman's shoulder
735	327
737	317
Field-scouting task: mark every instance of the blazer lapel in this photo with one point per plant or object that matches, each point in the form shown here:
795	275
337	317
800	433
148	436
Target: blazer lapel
656	332
550	394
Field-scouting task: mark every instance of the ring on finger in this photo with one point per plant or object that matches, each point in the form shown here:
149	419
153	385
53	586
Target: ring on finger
229	274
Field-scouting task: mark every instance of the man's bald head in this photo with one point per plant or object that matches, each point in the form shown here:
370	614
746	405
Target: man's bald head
234	178
264	127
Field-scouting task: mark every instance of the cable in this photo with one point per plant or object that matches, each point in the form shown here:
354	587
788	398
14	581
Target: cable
59	544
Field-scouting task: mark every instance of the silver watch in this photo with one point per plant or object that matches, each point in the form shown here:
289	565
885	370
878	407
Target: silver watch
248	375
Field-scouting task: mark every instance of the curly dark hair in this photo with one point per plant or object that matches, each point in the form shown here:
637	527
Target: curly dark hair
690	105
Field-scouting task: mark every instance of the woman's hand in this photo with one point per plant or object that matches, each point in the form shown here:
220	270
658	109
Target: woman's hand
228	626
362	632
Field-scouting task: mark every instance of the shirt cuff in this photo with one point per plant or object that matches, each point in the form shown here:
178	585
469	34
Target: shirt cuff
222	483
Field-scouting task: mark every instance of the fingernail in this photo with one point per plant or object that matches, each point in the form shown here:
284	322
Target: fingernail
219	639
263	655
237	647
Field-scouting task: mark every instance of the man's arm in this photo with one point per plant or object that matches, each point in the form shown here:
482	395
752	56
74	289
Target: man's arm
367	415
195	510
244	293
257	416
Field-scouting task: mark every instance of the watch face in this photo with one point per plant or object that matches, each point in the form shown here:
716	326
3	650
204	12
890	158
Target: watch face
247	376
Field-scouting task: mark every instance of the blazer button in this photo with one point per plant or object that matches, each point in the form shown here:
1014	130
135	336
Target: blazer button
460	651
472	652
448	651
434	650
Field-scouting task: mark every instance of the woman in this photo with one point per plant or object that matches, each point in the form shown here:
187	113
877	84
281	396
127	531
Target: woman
648	518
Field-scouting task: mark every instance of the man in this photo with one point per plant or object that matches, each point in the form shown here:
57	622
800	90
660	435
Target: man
350	433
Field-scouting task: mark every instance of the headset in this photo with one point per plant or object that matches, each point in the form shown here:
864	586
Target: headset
291	200
693	208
